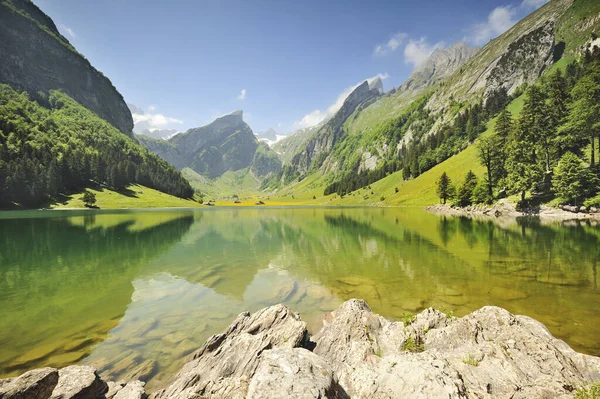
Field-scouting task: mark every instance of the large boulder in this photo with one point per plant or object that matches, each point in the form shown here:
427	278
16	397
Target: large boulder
293	373
224	365
79	382
34	384
488	353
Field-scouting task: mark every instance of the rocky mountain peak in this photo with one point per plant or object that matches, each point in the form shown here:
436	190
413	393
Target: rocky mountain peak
440	64
376	84
234	118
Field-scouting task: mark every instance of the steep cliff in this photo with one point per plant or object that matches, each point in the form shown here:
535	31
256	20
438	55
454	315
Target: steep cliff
35	57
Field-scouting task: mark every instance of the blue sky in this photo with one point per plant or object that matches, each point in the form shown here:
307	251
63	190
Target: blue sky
285	63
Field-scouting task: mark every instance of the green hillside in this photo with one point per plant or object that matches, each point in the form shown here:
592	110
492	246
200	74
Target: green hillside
132	197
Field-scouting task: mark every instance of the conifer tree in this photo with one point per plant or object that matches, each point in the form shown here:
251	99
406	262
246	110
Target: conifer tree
445	189
583	121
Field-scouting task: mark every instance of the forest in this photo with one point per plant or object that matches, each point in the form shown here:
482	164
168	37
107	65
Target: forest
549	149
50	145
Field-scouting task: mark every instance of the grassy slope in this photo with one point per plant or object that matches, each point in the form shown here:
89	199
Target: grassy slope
136	197
419	191
240	182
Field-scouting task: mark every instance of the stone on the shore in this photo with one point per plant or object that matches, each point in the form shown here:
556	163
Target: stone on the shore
293	373
79	382
489	353
224	365
133	390
36	384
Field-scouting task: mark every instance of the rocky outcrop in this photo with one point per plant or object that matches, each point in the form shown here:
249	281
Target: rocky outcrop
440	64
489	353
36	57
72	382
523	61
226	144
224	366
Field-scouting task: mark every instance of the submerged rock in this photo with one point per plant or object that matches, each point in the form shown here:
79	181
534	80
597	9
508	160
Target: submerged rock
489	353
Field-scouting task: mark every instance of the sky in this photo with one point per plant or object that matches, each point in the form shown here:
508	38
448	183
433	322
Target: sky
286	64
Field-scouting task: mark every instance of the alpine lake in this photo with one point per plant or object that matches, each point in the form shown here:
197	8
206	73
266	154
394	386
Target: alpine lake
122	290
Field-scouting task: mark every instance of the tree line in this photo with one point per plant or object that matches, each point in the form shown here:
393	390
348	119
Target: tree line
550	148
51	145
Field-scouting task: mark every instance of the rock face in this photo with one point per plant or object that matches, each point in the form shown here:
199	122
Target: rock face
523	61
226	144
489	353
441	64
36	57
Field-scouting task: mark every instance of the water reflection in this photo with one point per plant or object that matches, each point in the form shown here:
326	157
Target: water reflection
162	282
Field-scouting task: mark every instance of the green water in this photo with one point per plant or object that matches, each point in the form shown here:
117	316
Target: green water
121	289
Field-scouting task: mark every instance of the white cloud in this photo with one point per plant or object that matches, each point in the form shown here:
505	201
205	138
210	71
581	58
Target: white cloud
151	108
242	95
317	116
417	51
391	45
154	121
500	20
66	29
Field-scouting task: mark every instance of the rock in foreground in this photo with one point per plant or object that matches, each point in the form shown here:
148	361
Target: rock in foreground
489	353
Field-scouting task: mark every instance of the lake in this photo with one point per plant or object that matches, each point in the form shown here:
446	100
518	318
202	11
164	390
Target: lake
126	288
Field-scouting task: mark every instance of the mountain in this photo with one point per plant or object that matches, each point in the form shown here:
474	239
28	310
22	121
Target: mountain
270	135
41	59
442	107
63	126
227	144
441	64
318	146
288	146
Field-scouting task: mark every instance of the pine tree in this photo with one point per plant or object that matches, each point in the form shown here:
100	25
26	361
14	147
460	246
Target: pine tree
465	192
521	165
445	189
492	157
583	121
572	180
556	112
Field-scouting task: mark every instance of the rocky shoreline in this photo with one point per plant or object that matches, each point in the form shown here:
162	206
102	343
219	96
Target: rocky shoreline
489	353
505	209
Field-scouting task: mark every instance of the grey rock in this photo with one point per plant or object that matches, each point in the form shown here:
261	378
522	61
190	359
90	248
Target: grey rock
489	353
36	57
524	60
79	382
440	64
133	390
114	388
34	384
224	365
293	373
